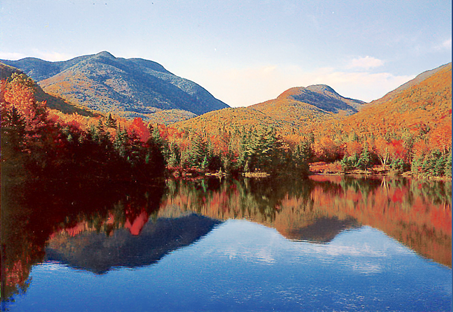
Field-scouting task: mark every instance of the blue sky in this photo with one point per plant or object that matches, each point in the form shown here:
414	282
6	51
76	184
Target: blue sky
244	52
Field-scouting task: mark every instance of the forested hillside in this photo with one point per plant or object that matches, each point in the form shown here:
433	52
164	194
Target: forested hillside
411	130
41	144
127	87
406	131
300	106
53	102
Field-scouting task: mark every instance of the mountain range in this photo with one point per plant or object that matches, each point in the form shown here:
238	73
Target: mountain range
295	107
128	87
142	88
426	99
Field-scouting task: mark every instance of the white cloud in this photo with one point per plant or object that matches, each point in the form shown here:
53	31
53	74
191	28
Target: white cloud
45	55
445	45
11	55
51	56
365	62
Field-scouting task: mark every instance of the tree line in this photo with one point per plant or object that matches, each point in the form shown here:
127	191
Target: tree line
41	142
38	143
47	142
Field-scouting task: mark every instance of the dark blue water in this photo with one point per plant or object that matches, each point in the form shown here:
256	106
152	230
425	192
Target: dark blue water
244	266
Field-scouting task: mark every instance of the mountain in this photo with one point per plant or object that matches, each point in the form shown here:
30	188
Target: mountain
129	87
240	117
6	71
295	107
322	97
411	83
53	102
302	104
98	253
420	105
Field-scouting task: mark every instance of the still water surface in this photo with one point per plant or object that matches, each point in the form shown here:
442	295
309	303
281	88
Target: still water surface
330	243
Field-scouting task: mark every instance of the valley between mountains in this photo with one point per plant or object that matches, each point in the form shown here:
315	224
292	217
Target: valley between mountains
133	114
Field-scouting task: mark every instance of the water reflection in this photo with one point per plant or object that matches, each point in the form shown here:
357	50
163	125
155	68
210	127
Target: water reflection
103	226
418	214
99	253
33	212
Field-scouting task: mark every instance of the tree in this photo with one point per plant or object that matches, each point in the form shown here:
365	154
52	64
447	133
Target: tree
196	152
382	149
140	129
447	168
364	161
326	149
353	147
110	122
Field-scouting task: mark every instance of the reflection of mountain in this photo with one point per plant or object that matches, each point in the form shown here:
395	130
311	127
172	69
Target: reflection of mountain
323	230
287	209
418	214
98	253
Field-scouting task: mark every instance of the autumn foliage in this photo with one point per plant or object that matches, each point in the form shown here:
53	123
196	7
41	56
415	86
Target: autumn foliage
408	130
42	143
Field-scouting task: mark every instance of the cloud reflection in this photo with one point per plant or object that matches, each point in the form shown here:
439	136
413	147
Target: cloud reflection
364	250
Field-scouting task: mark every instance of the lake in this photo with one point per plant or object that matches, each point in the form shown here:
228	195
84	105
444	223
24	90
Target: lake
322	244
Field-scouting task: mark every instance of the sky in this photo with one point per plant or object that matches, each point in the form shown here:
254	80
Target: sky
244	51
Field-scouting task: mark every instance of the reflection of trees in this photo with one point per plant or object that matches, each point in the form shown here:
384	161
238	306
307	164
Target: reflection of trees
32	212
258	200
416	213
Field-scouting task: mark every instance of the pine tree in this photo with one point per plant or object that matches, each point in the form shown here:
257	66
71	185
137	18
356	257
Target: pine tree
439	167
110	122
197	151
447	168
120	142
364	161
102	135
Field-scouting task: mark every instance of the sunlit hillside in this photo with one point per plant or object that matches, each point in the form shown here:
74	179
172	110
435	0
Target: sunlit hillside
229	119
127	87
53	102
301	106
420	109
293	109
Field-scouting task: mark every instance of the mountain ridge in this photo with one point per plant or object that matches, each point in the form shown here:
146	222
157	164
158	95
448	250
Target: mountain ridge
419	78
130	87
287	112
320	96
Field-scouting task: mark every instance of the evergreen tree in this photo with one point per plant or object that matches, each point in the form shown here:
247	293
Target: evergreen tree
447	168
120	142
174	158
416	165
110	122
197	152
439	167
364	161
